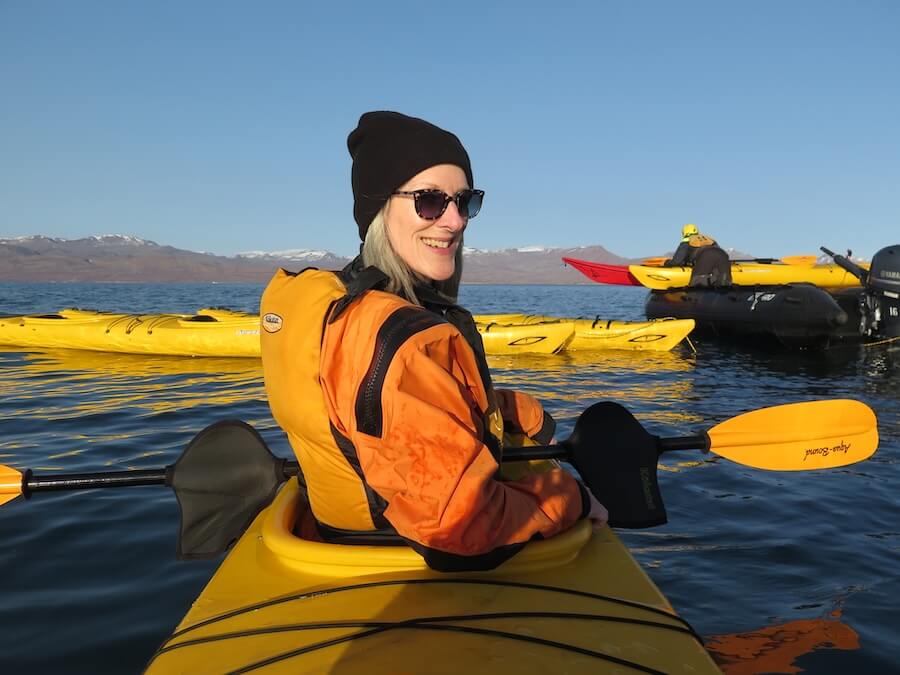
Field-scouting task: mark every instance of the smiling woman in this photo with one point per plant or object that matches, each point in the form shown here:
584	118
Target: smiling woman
380	381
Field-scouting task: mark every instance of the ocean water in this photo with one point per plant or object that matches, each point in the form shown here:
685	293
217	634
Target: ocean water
780	571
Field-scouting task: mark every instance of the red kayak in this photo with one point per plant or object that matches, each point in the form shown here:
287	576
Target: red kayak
604	274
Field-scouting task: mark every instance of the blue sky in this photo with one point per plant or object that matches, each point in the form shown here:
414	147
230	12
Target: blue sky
221	126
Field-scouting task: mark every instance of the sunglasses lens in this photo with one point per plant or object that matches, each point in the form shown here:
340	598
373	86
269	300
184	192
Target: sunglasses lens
469	203
430	205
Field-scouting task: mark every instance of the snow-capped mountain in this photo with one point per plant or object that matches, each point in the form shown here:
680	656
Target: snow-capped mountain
120	257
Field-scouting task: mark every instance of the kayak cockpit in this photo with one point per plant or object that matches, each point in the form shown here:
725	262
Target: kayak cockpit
281	544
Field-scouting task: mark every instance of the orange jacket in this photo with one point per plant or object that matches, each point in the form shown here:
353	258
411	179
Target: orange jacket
384	406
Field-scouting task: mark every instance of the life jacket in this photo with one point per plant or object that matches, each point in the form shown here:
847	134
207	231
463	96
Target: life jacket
296	312
700	240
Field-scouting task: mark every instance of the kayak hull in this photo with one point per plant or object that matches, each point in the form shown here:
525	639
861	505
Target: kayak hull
280	604
750	274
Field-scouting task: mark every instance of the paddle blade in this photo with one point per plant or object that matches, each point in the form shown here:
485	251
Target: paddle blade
799	436
222	480
10	484
617	460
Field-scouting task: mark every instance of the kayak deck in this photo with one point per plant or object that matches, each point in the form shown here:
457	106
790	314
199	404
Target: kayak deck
576	603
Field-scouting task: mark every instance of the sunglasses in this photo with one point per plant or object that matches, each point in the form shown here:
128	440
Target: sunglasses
431	204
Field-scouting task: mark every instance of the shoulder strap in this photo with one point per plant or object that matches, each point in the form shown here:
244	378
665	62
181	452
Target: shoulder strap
357	279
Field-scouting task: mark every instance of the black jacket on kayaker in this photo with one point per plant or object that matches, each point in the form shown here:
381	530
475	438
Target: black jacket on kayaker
692	242
380	381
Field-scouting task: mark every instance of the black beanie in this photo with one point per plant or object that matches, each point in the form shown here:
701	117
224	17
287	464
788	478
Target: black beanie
387	150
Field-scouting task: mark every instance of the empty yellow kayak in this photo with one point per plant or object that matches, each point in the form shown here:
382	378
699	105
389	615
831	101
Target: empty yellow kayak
593	334
750	274
207	333
228	333
576	603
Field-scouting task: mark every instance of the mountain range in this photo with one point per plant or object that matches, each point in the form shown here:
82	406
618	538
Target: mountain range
125	258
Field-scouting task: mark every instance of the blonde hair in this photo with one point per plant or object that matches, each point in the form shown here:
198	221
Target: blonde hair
377	251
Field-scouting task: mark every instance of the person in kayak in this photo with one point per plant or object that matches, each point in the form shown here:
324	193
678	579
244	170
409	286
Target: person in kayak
379	378
692	242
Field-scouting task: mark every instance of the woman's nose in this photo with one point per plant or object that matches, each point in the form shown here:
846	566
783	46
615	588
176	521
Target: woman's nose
452	218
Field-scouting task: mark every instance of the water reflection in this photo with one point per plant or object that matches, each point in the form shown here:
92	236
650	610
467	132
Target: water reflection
92	364
775	649
49	392
645	382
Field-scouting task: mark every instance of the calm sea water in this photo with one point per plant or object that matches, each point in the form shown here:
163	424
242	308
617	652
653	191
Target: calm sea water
800	569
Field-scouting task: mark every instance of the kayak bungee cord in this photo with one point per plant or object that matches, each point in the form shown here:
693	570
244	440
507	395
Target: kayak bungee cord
410	582
431	623
459	629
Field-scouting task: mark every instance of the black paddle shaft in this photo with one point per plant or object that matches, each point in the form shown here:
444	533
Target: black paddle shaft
89	481
563	451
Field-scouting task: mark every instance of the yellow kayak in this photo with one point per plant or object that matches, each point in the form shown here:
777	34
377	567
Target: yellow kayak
594	334
576	603
210	332
227	333
750	274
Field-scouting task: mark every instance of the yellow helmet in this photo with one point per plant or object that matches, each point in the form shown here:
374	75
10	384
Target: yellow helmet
689	229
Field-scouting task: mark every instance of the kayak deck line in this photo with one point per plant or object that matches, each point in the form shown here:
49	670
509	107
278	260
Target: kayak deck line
685	627
437	623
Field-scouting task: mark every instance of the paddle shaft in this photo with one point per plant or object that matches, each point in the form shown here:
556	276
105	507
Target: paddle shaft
561	450
89	481
109	479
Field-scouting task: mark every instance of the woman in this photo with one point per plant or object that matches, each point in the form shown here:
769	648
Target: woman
380	381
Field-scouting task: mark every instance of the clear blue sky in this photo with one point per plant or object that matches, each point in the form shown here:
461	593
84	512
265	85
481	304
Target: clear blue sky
221	126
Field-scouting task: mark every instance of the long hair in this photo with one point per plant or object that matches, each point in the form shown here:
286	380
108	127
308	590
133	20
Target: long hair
377	251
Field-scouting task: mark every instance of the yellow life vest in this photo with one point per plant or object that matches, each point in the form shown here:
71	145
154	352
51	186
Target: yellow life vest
295	311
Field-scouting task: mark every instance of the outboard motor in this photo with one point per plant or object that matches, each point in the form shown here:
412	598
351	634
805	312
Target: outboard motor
879	303
883	289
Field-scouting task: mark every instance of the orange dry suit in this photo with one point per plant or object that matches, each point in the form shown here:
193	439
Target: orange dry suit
391	413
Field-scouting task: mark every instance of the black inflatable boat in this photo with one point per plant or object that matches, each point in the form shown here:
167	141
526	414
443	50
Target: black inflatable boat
793	315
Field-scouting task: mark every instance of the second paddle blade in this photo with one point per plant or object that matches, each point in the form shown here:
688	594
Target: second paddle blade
222	480
617	458
799	436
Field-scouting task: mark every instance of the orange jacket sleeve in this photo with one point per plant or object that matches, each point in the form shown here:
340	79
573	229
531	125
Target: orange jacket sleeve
522	413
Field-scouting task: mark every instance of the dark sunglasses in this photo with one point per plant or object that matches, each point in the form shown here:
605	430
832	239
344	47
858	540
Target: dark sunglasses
431	204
